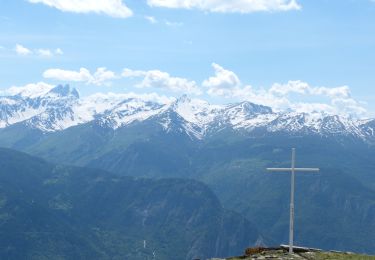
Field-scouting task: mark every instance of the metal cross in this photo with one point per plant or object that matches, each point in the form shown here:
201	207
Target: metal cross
293	169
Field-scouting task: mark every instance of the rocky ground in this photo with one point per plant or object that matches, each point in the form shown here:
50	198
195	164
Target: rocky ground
280	253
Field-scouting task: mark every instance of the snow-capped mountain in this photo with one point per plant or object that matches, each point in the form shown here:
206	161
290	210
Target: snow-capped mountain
58	108
48	109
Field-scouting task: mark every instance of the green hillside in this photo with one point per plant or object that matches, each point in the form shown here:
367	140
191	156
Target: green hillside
51	211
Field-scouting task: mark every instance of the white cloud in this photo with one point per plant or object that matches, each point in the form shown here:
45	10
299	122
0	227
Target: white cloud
102	76
294	95
151	19
225	6
349	106
338	92
173	24
339	100
226	84
223	82
300	87
59	51
68	75
45	53
114	8
162	80
119	97
128	73
21	50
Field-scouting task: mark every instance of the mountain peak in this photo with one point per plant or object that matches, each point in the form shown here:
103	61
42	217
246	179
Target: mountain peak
183	99
255	108
29	91
64	91
248	108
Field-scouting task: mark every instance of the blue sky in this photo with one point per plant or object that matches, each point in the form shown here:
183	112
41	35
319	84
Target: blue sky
304	55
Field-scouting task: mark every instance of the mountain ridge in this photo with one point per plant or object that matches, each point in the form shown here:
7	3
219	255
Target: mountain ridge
61	107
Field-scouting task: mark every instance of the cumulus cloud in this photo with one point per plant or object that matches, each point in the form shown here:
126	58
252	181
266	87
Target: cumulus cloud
162	80
114	8
339	99
300	87
102	76
225	83
349	106
294	95
224	6
68	75
46	53
22	50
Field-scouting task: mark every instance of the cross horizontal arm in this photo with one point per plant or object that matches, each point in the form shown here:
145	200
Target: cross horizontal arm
295	169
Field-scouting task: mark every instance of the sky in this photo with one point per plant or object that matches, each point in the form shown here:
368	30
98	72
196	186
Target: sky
316	55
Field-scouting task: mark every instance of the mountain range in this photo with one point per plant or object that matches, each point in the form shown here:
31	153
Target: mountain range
227	147
55	109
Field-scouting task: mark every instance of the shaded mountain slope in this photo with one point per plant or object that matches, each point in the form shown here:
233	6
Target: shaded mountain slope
52	211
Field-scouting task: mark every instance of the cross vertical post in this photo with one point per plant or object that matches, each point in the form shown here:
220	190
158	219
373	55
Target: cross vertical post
291	215
292	170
